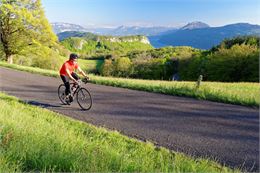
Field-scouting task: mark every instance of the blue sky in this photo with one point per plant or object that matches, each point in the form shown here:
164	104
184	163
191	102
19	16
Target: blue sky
100	13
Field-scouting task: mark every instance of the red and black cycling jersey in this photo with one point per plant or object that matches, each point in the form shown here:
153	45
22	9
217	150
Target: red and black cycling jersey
70	65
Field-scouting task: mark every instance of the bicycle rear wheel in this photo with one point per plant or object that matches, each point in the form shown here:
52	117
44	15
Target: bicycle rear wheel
84	99
61	93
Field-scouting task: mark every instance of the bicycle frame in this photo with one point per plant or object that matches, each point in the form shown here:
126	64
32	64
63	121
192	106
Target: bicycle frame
77	87
75	91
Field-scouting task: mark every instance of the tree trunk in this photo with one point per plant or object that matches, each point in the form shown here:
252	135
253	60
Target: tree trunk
9	59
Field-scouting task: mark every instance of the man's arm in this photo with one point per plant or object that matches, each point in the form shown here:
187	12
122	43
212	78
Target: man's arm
82	72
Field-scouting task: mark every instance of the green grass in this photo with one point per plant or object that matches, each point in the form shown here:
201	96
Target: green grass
36	70
235	93
36	139
90	65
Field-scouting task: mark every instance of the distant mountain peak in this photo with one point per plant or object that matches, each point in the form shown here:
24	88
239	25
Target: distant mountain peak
195	25
241	25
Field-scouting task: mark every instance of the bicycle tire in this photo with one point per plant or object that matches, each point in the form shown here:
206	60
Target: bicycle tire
61	93
84	102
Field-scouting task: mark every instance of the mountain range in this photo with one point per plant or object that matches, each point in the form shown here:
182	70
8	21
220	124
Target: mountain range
195	34
116	31
205	37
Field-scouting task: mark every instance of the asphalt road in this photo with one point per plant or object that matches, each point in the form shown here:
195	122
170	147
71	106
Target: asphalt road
228	133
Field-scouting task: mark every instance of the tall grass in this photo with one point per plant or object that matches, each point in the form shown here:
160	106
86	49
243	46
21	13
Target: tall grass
235	93
35	139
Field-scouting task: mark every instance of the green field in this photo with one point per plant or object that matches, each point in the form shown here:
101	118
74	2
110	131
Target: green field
35	139
234	93
90	66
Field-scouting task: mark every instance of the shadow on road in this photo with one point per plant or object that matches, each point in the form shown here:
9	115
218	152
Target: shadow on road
43	105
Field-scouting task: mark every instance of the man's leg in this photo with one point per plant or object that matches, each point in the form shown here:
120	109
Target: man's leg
65	80
75	76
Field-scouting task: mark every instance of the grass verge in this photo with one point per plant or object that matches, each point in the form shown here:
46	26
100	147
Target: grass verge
36	139
235	93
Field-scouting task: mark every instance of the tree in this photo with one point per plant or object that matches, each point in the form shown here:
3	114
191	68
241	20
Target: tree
23	24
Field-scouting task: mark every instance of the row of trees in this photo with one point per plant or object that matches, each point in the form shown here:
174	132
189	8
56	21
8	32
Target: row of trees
234	60
158	64
228	43
236	64
123	67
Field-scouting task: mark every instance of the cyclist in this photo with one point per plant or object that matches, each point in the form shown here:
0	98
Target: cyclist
67	73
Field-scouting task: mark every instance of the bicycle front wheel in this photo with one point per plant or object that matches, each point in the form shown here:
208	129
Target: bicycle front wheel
84	99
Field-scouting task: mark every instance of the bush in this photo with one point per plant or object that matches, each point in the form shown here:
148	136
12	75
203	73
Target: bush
22	60
2	55
161	69
228	43
107	68
157	67
190	69
39	56
123	67
239	63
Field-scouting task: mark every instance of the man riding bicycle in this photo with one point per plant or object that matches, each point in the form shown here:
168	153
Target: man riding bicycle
67	73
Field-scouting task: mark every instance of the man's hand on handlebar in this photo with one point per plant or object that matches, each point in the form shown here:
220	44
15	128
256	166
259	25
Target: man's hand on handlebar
86	79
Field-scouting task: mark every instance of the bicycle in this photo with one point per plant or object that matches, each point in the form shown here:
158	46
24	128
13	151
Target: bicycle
82	95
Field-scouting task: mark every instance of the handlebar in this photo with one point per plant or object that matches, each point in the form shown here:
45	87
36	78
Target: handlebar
80	81
85	80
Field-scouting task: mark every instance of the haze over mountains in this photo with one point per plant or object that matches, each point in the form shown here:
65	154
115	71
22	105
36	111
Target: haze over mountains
195	34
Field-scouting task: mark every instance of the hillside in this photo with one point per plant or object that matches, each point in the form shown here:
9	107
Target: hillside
89	45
